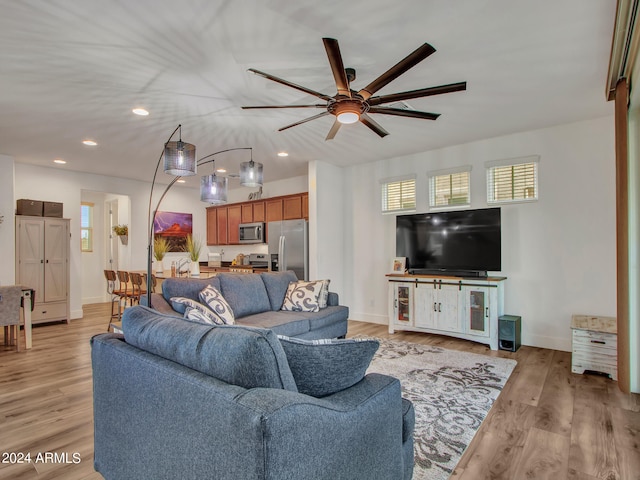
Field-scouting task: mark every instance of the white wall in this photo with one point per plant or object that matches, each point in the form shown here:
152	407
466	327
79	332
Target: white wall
8	225
558	253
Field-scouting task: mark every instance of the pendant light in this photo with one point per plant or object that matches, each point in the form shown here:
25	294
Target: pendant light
251	173
213	189
180	158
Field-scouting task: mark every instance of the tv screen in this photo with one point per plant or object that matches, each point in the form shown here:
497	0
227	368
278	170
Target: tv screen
456	242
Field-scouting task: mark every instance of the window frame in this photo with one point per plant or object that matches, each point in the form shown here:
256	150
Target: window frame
432	177
88	229
512	162
384	192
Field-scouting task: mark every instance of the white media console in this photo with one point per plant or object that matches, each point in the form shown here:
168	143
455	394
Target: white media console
461	307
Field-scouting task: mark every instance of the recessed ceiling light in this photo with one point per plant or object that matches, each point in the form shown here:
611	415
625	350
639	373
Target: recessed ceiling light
221	170
283	154
181	181
59	161
91	143
140	111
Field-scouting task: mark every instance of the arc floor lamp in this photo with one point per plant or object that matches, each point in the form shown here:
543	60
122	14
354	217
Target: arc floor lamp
180	161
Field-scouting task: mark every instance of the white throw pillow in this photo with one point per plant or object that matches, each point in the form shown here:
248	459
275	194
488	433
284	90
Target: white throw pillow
216	302
324	294
204	315
303	296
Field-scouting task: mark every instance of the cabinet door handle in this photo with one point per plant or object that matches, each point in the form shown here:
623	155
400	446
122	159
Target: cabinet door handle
435	309
439	307
599	342
486	312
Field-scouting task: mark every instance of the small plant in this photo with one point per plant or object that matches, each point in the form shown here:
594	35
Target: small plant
193	247
160	248
121	230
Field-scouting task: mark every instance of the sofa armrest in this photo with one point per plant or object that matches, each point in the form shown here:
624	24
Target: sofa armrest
333	300
334	429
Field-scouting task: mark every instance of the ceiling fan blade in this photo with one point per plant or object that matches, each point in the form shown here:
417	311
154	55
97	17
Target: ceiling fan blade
290	84
317	105
398	69
304	121
334	129
337	66
423	92
373	125
404	113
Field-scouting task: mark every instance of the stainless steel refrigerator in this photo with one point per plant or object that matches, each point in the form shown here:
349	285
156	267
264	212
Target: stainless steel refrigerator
289	247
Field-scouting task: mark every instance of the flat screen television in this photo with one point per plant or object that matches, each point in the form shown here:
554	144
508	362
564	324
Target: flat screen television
464	243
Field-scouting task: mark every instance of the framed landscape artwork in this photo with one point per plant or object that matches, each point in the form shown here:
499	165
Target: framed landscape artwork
174	227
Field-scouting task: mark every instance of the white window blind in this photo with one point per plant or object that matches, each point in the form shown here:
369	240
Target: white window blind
449	188
514	180
399	195
86	227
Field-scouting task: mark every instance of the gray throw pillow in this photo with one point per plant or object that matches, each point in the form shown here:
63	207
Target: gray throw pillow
323	367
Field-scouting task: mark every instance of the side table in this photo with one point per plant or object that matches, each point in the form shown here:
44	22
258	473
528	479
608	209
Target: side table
594	345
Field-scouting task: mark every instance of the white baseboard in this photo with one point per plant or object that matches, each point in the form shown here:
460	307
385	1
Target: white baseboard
553	343
75	314
369	318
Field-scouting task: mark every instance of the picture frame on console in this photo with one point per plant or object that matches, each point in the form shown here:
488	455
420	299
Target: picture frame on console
399	265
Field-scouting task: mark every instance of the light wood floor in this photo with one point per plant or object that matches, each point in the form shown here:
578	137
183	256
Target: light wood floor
546	424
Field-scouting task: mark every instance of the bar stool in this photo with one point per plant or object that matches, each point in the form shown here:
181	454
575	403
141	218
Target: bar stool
125	294
137	288
115	293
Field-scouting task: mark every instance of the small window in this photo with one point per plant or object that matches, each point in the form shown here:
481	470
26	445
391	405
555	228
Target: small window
514	180
450	188
399	195
86	226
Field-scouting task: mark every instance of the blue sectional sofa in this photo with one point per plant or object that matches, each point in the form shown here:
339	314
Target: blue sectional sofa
256	301
176	399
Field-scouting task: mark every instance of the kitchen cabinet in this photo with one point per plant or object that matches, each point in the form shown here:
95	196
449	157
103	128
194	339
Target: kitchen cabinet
258	212
292	207
273	208
234	218
460	307
222	222
247	212
212	226
42	263
305	206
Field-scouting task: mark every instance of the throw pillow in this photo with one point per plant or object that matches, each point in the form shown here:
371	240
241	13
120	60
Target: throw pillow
302	297
201	316
216	302
324	293
323	367
185	303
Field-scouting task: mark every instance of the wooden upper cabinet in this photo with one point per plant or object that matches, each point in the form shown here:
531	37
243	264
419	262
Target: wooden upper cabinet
305	206
247	212
259	212
221	221
273	207
212	226
292	207
234	218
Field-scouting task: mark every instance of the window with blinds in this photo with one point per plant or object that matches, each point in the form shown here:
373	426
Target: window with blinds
513	182
399	195
449	189
86	227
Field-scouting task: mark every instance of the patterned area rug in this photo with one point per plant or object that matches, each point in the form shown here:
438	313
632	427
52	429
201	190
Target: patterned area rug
452	393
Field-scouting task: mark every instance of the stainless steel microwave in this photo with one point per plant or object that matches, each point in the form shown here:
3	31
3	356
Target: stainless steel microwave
252	232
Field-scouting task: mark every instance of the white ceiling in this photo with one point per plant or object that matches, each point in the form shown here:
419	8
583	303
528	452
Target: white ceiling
74	69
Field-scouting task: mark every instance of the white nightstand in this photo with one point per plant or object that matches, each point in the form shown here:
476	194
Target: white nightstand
594	345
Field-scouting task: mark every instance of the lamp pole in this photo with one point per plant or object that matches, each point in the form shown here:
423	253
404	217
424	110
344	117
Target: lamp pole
152	215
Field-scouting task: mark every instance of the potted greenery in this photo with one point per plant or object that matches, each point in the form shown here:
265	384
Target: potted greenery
122	231
193	246
160	249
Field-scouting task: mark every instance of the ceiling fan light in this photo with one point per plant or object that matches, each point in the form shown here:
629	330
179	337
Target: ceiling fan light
180	159
213	189
348	117
251	174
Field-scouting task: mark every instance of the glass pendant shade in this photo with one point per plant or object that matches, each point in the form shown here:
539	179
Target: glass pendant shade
213	189
251	174
180	159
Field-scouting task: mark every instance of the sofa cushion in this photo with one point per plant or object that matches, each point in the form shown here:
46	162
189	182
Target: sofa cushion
291	324
181	304
247	357
245	293
276	284
212	297
186	287
303	296
323	367
202	316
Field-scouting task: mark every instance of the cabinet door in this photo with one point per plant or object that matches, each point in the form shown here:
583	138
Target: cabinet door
426	305
403	303
212	226
234	217
477	310
292	207
30	254
221	221
274	210
56	234
305	206
247	213
258	212
448	312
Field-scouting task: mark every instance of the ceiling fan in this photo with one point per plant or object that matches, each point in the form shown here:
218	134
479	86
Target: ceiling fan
350	106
